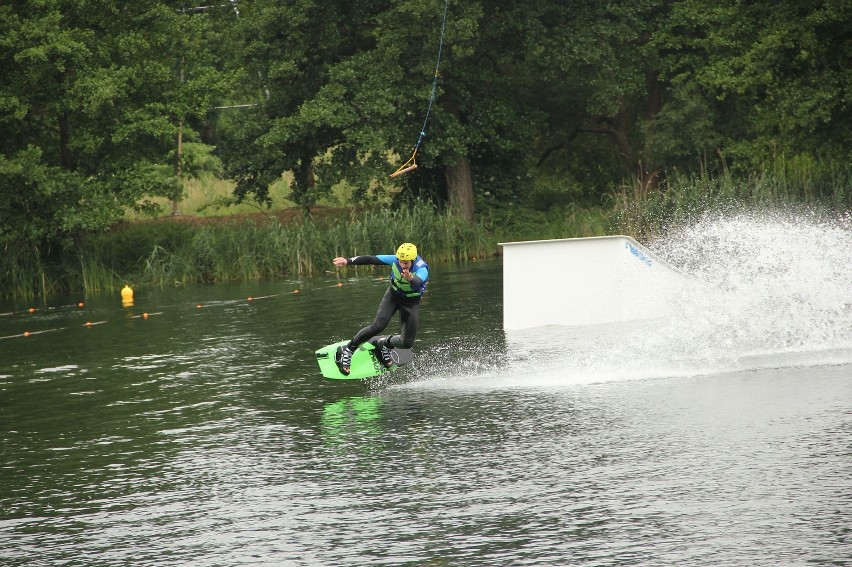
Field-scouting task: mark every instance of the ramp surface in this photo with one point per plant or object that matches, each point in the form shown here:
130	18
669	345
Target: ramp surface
585	281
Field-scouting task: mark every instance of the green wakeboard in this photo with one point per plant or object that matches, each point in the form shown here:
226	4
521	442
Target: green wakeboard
365	364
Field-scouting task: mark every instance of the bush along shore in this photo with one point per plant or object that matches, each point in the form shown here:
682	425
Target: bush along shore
176	252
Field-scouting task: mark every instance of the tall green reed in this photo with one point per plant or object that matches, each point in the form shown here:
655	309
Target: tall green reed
246	250
645	212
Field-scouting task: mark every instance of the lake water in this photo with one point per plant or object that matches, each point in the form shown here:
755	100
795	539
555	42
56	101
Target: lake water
203	434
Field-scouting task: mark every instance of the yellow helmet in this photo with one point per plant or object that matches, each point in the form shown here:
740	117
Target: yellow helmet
406	251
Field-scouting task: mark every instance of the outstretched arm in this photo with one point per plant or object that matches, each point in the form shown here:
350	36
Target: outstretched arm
357	261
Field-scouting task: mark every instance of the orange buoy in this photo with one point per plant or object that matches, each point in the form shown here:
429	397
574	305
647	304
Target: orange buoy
249	298
339	284
81	304
32	309
88	324
26	333
144	315
295	291
198	306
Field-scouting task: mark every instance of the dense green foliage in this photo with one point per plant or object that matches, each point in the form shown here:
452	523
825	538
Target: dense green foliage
539	103
91	97
171	252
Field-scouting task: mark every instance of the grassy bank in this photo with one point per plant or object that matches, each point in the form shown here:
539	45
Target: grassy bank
178	251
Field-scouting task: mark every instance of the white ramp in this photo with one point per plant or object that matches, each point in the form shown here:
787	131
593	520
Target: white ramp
584	281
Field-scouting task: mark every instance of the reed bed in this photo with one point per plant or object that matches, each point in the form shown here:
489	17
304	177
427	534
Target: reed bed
165	252
645	212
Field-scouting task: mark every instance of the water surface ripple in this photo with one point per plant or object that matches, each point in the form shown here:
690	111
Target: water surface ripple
204	436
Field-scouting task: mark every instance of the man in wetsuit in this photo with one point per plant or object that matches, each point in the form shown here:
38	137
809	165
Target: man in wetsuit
409	273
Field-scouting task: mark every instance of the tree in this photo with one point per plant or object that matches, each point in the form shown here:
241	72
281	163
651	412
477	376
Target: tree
289	50
596	79
90	111
750	79
348	87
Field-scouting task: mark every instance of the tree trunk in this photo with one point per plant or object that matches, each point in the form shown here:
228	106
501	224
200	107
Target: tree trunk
652	109
64	139
622	141
176	203
460	188
300	187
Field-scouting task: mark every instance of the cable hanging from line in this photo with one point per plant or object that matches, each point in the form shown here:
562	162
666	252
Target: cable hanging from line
411	164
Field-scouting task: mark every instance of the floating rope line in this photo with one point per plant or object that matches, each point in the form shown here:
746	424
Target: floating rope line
30	333
411	164
147	315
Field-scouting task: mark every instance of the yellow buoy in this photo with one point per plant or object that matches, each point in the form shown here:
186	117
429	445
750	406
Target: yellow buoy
126	295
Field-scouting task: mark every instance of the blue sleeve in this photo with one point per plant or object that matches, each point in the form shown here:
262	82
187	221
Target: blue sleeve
388	259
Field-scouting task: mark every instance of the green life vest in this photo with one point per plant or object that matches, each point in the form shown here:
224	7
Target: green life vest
402	286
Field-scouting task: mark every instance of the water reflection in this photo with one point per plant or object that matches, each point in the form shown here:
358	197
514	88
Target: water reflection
351	418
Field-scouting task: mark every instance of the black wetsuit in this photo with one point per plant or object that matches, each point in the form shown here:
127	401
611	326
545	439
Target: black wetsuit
406	301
